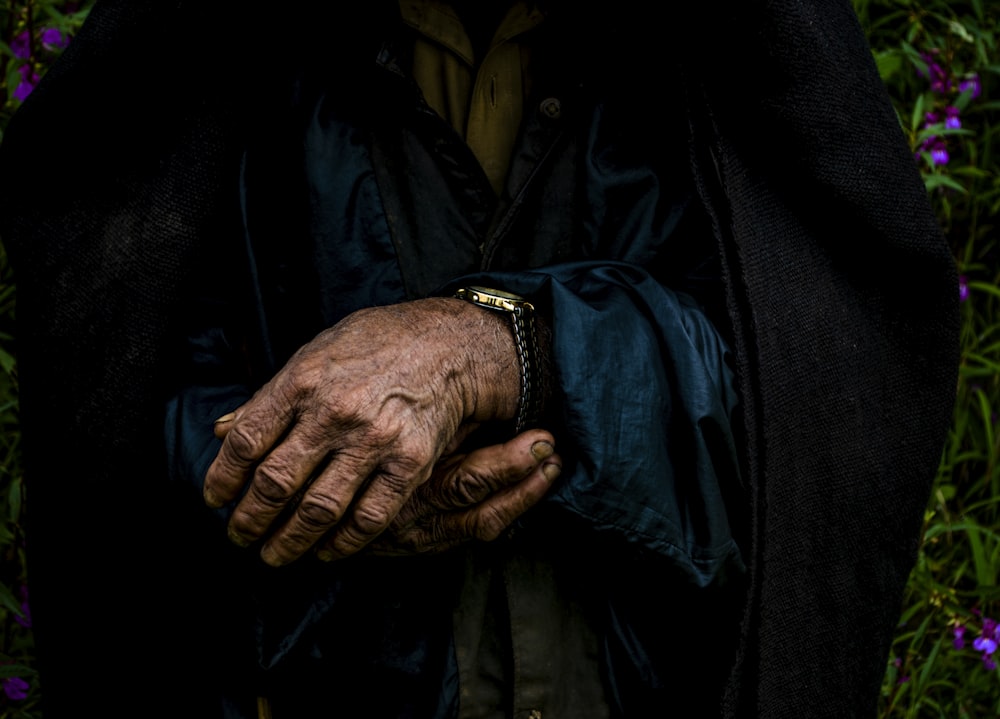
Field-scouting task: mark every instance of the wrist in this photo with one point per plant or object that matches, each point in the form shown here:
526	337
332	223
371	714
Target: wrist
517	318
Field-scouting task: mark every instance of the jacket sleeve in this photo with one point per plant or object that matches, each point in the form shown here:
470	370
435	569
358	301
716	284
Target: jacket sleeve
643	408
191	410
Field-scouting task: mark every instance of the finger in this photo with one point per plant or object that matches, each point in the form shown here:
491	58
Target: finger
248	436
221	426
322	506
487	470
485	521
464	480
277	481
379	505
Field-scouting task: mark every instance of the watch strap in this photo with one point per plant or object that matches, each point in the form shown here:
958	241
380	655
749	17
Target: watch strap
523	327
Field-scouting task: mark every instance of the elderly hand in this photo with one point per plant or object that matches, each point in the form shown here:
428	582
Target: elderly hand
336	443
474	496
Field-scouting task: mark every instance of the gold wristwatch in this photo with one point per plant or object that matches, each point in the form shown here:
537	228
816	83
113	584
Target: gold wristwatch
522	315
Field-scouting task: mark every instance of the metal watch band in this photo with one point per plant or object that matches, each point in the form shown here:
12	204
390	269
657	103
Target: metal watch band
522	317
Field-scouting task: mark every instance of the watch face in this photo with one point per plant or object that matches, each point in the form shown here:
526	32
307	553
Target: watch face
496	293
497	299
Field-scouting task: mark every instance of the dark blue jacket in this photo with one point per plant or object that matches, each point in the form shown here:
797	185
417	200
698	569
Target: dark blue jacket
360	196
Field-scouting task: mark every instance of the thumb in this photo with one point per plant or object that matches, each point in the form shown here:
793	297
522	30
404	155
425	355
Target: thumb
488	470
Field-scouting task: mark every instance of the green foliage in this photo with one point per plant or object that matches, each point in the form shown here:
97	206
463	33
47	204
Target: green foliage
925	51
954	584
32	33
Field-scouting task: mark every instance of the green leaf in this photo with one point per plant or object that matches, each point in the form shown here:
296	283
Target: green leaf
962	101
889	62
16	670
14	494
985	575
947	491
971	172
985	287
960	30
990	366
937	180
917	116
7	361
938	129
8	601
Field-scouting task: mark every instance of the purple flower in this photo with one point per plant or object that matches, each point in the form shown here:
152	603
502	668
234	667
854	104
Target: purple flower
937	149
986	642
54	39
29	78
22	90
21	45
959	630
971	82
951	119
990	628
940	82
15	688
986	645
963	295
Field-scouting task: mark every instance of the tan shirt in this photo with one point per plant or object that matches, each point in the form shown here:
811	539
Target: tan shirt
481	98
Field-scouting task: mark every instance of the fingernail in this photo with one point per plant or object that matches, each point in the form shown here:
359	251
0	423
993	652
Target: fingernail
221	426
271	557
238	539
542	450
212	499
551	471
324	555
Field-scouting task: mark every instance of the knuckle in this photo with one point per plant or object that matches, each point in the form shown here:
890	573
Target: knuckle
348	541
490	524
299	381
320	511
412	451
405	465
247	524
465	489
381	435
370	519
302	372
274	483
244	443
286	550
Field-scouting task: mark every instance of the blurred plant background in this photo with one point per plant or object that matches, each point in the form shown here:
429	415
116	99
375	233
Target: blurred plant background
940	62
32	35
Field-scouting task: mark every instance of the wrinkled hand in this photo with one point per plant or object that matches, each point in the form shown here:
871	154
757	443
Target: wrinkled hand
474	496
356	421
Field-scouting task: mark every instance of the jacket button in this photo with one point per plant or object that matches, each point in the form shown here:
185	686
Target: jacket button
550	108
